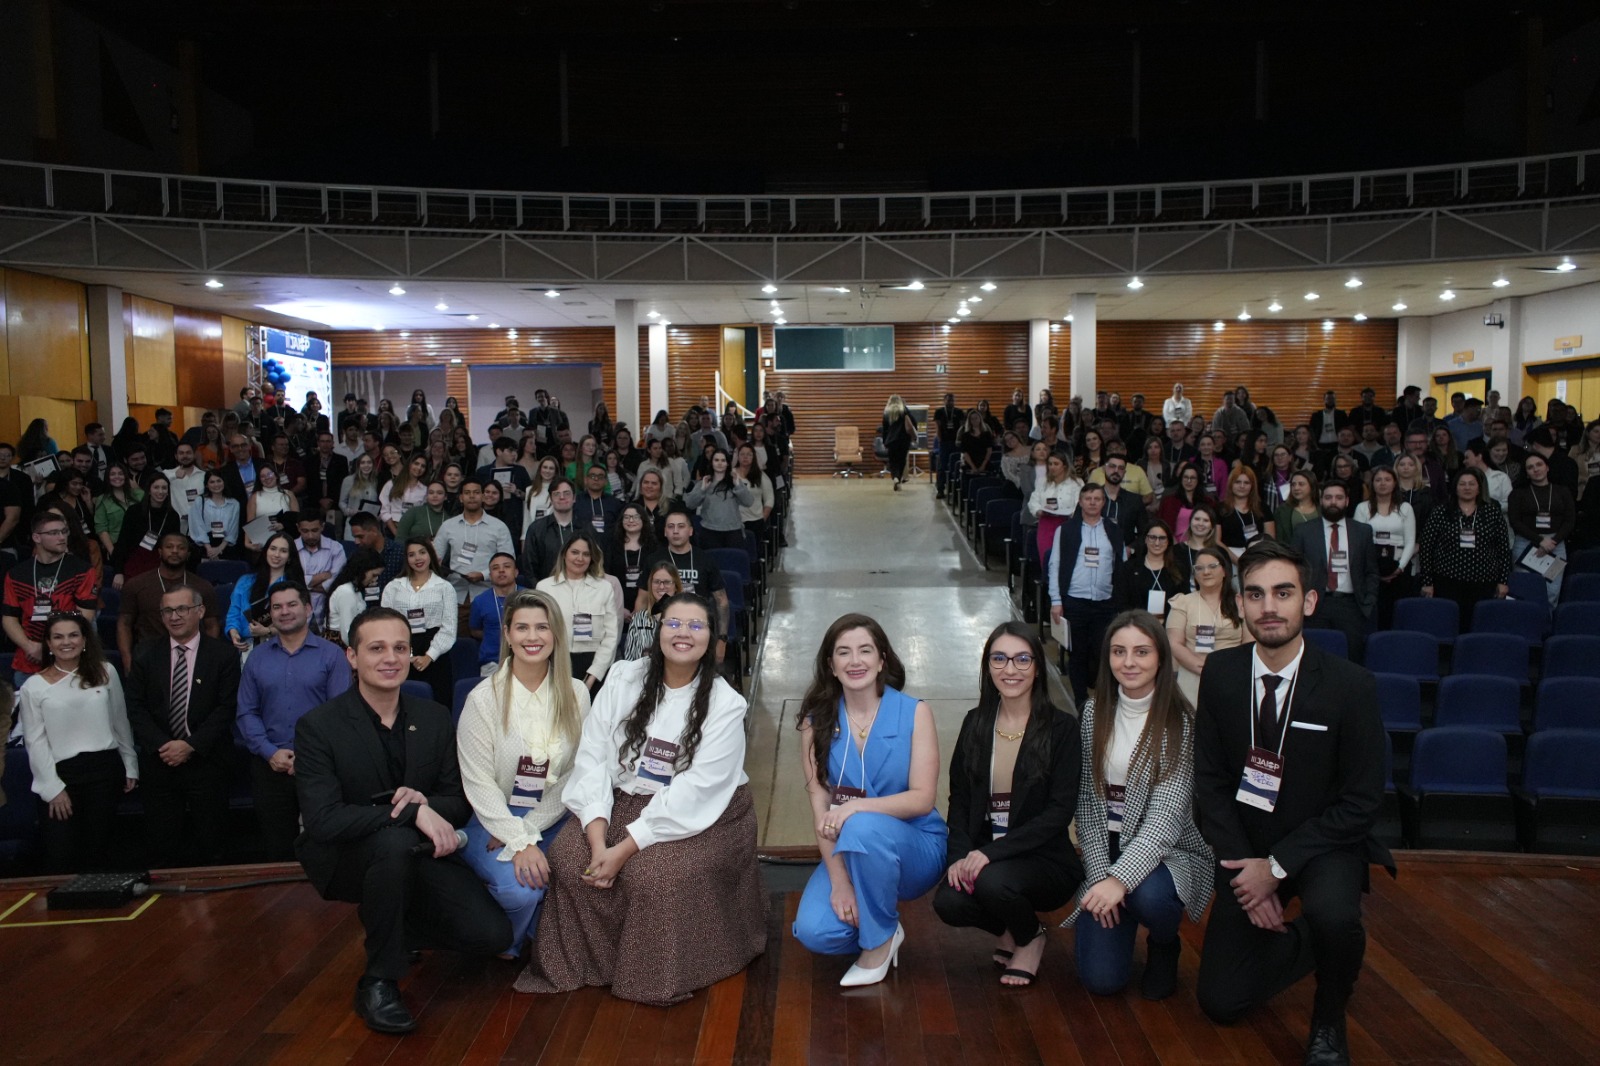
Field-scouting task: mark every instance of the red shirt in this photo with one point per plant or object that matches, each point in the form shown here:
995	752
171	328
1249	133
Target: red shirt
34	589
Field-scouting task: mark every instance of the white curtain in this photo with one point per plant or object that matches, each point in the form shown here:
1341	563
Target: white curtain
366	384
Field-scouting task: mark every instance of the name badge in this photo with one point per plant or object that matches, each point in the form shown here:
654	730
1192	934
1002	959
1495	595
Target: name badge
148	542
191	494
1205	638
1050	503
1541	520
657	765
1155	601
843	794
249	487
1383	536
1469	538
415	616
1340	562
41	609
631	576
1116	799
527	788
583	627
469	551
1249	525
598	522
1091	557
999	814
503	476
1261	781
372	593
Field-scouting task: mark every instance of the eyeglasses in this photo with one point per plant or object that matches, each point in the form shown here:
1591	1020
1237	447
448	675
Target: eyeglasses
53	532
1208	568
177	612
1156	537
676	624
1022	660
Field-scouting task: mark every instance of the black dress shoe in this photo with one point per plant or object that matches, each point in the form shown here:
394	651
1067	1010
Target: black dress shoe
1327	1046
378	1003
414	956
1160	970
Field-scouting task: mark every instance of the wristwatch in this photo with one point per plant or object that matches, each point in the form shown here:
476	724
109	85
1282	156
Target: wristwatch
1277	870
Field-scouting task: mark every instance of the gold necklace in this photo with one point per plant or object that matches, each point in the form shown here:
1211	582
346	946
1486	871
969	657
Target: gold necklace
862	731
1010	736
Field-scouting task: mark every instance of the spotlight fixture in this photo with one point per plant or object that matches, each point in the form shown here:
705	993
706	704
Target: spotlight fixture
915	286
1218	326
1274	307
1447	295
1360	316
1135	284
1501	283
1399	305
213	283
769	288
988	286
1327	325
1353	283
441	306
494	325
975	299
1566	266
1313	296
396	290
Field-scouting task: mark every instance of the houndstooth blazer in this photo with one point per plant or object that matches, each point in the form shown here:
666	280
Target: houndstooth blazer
1157	826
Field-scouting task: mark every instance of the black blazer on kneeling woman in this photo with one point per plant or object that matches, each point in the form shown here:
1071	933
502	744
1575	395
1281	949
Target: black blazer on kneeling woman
1044	792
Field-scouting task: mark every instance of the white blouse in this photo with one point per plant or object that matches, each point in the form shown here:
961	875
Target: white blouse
690	800
436	601
64	719
489	754
347	601
391	509
1064	493
1397	530
595	598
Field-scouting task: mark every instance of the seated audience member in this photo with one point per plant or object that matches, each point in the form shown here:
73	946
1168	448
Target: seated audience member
880	837
367	532
698	573
1289	768
358	492
1145	861
1205	620
111	506
376	829
249	615
428	604
588	607
216	521
182	695
1153	574
406	489
139	618
42	583
1344	569
1013	793
425	517
513	478
143	527
321	559
357	587
466	542
595	508
271	501
1394	534
80	747
489	607
542	544
1083	559
1183	499
326	471
1124	504
660	583
291	672
664	823
516	742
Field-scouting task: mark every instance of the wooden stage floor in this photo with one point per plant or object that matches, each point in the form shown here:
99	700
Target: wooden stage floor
1468	960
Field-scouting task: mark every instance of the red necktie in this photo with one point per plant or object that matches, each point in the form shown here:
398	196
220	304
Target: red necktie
1333	550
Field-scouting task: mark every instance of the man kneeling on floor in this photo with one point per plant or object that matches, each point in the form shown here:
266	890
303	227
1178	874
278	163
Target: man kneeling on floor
381	799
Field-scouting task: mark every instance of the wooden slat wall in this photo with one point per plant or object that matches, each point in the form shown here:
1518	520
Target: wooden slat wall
1060	383
983	360
1286	365
150	348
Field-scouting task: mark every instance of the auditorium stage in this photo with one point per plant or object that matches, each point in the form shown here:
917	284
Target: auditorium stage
1470	959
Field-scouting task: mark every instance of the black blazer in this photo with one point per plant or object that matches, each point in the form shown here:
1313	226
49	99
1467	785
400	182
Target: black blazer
318	486
1319	418
1132	584
339	765
213	696
1333	763
1044	798
1362	552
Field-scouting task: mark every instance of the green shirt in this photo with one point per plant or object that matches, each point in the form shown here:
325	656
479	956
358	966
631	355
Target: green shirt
422	521
109	512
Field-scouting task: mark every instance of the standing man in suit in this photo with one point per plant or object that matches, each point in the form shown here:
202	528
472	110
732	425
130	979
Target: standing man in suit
1326	423
1344	569
182	694
1083	557
325	474
1289	766
381	799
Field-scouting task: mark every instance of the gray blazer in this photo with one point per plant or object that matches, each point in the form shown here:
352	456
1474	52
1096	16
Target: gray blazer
1157	826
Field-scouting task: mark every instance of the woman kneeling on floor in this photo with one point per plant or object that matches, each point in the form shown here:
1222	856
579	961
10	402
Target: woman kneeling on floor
655	887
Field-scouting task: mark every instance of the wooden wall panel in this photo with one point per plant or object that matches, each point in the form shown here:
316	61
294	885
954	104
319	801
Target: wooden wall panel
197	341
150	347
983	360
458	383
1286	365
694	354
1060	365
10	417
62	415
235	370
47	336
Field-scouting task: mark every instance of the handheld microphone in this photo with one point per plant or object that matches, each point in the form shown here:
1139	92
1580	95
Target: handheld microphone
426	846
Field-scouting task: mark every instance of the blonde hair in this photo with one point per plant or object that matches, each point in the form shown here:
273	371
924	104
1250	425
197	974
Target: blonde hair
559	679
895	409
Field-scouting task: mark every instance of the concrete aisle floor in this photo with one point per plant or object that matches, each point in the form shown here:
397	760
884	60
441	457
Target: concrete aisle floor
898	556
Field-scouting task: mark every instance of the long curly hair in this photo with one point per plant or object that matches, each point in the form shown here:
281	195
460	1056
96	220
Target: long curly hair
820	707
636	727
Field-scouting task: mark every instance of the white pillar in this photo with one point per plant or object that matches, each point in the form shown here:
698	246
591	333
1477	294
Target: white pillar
1083	350
108	364
1414	354
1505	349
659	397
1038	358
627	367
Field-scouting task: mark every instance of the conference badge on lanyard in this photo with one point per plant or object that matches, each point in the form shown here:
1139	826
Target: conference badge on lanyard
527	788
1116	801
999	814
657	765
1262	778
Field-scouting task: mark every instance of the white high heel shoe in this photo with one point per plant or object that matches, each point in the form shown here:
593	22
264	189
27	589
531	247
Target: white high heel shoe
859	975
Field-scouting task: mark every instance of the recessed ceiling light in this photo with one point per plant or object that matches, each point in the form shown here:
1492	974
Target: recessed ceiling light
441	306
963	310
511	333
769	288
975	299
988	286
552	293
1360	316
1399	305
1135	284
213	283
1244	316
916	286
666	323
1068	318
1447	295
1327	325
405	333
1566	266
776	311
1501	283
952	320
945	328
456	361
472	318
1313	296
378	328
1218	326
653	314
1274	307
396	290
1055	327
1353	283
782	322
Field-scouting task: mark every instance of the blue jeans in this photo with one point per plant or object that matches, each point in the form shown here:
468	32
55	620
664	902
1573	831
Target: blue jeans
1105	956
521	903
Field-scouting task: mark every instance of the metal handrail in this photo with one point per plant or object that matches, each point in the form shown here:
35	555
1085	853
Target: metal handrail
152	194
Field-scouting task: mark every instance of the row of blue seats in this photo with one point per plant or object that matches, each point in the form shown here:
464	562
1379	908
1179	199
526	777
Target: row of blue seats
1485	701
1416	654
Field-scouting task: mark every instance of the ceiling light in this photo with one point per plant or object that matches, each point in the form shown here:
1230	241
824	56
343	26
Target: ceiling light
915	286
776	311
843	289
1360	316
944	329
511	333
441	306
952	320
653	314
1274	307
1353	283
782	322
1447	295
494	325
988	286
769	288
1055	327
1218	326
396	290
378	328
1566	266
665	322
456	361
552	293
1399	305
213	283
1068	318
975	299
472	318
1327	325
1244	316
1136	284
963	310
405	333
1501	283
1313	296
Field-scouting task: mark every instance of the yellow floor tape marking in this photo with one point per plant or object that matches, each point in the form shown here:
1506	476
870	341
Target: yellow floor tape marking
75	921
17	904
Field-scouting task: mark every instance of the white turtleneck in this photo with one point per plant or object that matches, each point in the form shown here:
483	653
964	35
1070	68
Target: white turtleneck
1126	730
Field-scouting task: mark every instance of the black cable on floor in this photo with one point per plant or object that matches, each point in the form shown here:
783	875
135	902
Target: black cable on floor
186	890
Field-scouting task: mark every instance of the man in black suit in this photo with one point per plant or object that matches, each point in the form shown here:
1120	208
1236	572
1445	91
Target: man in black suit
1289	767
325	472
1326	423
1344	569
381	800
240	475
182	692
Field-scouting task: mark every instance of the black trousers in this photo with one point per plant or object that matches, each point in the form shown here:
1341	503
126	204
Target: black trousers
1087	621
1340	611
1008	896
719	538
897	459
277	809
437	676
94	781
1467	595
186	807
408	901
1242	966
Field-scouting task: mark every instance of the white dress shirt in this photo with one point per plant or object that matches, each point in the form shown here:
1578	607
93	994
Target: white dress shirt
1258	670
1177	410
1343	576
593	597
437	601
485	537
186	492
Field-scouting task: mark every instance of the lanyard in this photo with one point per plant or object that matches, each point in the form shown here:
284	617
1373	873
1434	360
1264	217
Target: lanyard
848	729
1533	491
